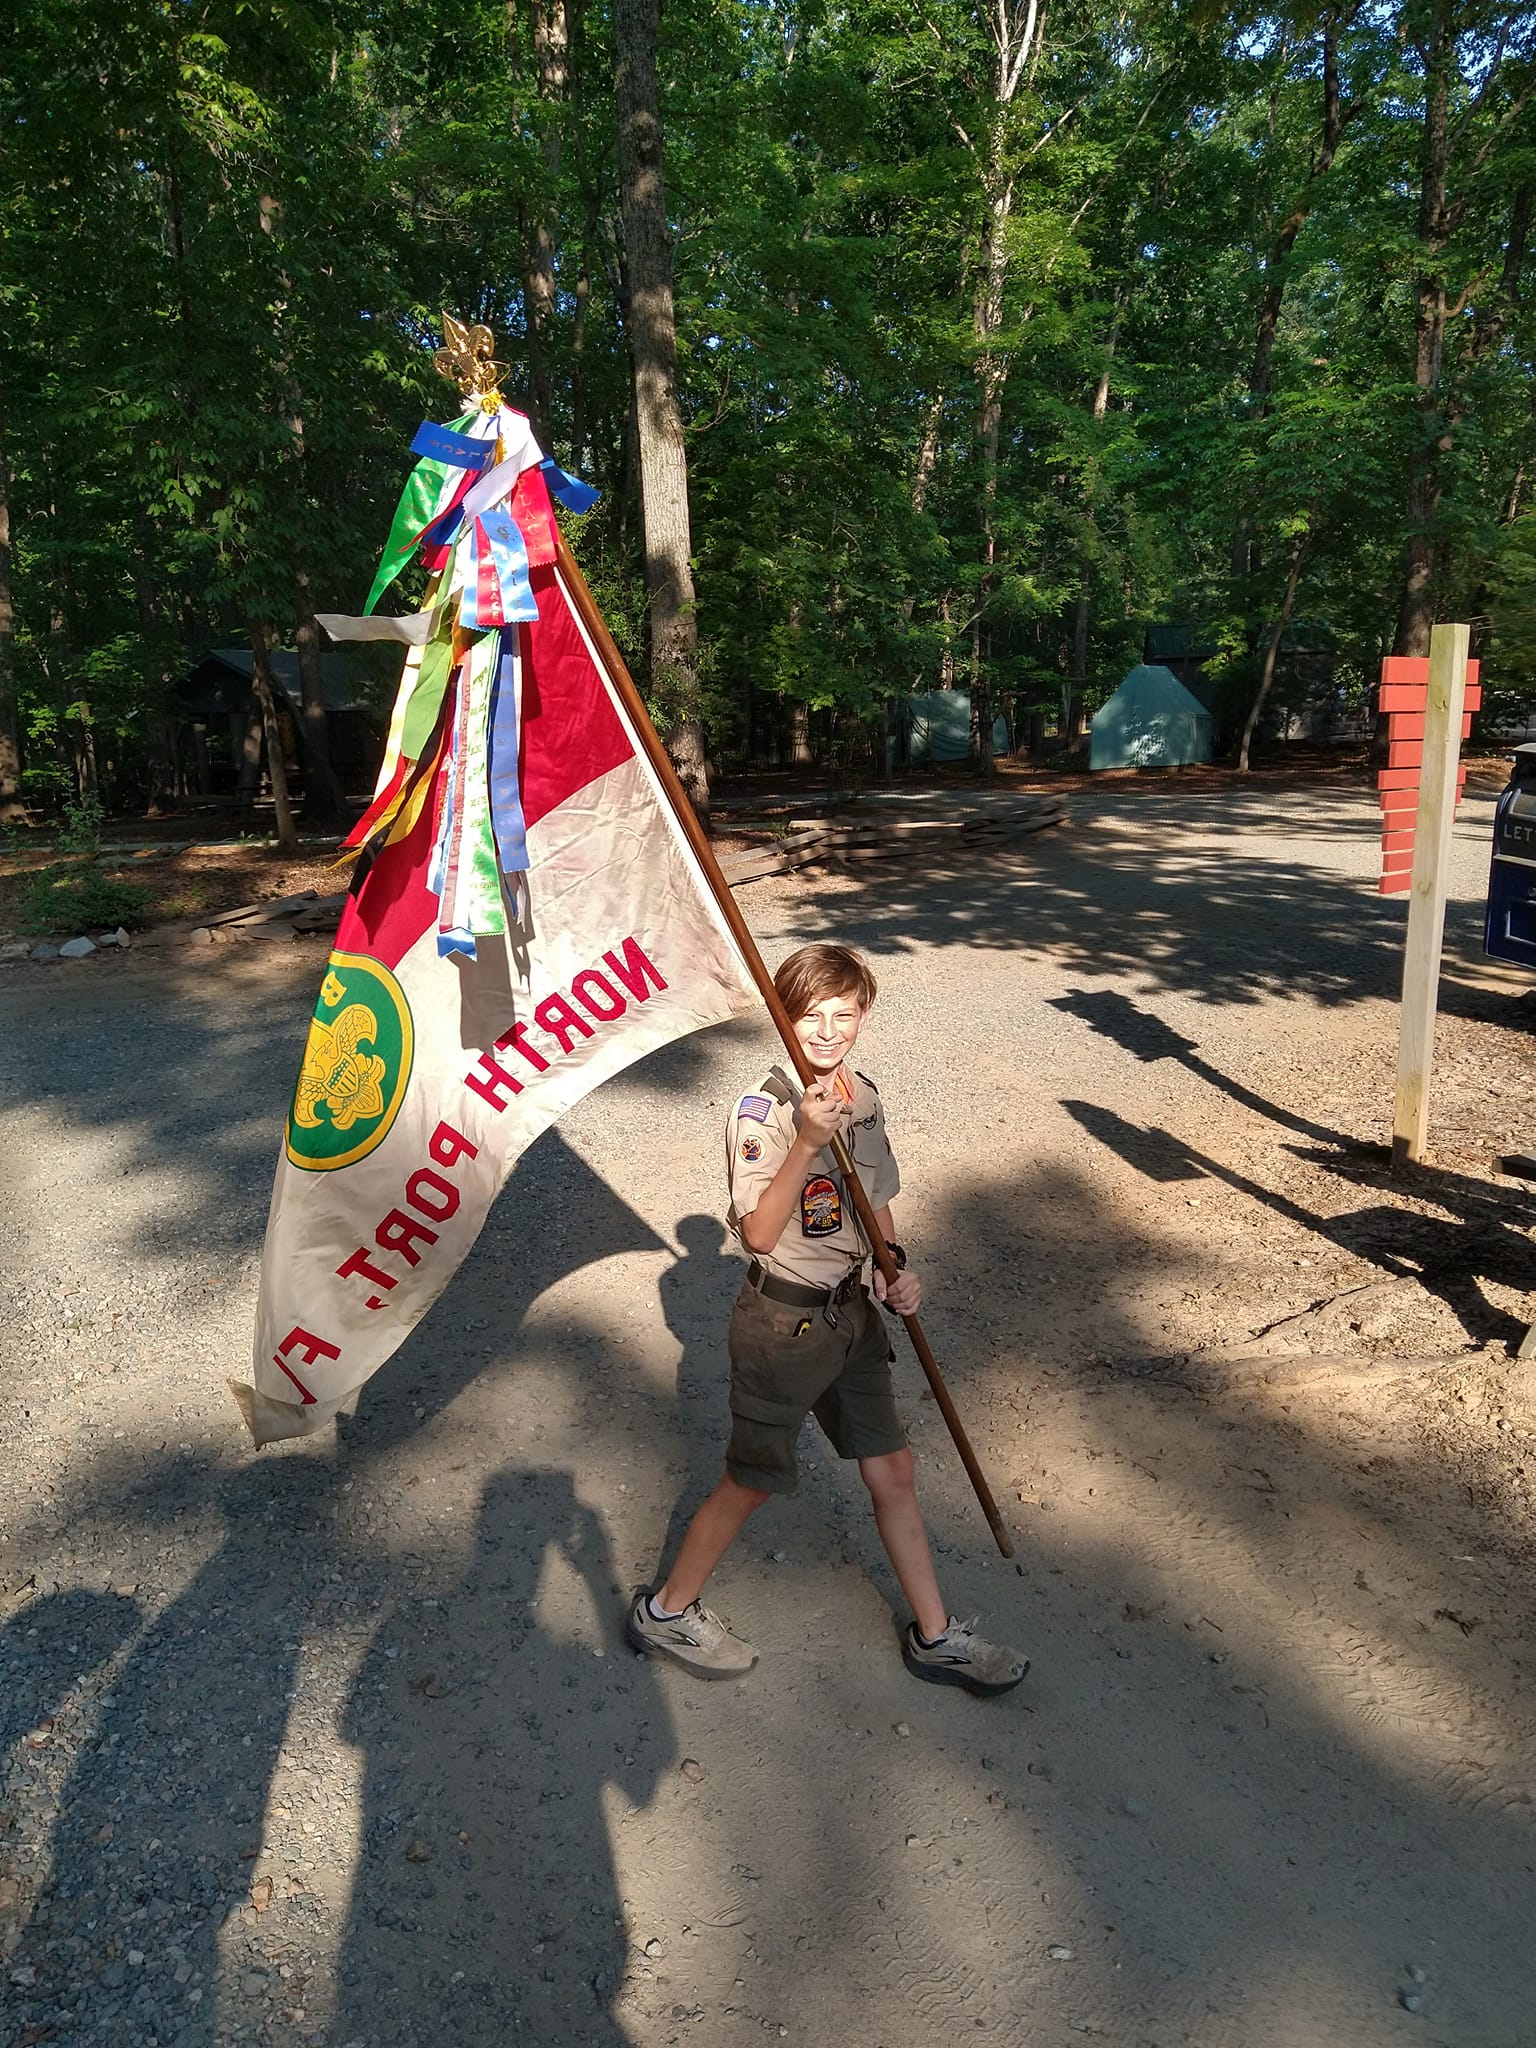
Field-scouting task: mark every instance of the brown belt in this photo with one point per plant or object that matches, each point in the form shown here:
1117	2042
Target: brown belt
793	1295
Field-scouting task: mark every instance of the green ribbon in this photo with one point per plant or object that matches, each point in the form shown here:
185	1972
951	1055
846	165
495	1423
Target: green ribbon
413	515
427	693
481	907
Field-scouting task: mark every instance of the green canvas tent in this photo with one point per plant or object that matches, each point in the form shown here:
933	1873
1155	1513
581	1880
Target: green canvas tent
937	726
1151	721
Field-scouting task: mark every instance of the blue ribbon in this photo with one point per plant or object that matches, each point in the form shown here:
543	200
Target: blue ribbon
507	820
510	555
449	943
573	494
458	451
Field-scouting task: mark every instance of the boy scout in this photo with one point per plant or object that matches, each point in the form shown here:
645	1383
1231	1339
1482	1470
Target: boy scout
806	1339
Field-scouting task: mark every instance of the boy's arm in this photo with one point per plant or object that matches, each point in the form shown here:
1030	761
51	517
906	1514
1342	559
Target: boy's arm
821	1117
905	1293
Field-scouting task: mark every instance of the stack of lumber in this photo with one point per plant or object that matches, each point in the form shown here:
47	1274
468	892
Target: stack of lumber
279	919
889	835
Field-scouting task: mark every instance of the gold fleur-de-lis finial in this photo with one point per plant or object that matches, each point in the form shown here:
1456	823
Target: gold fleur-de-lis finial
467	358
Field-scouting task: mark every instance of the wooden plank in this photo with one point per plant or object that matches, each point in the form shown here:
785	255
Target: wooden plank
1427	890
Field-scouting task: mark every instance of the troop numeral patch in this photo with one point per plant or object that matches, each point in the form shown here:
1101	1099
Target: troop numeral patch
821	1207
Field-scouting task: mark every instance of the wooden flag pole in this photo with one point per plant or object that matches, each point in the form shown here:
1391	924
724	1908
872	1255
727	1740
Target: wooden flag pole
656	754
1431	879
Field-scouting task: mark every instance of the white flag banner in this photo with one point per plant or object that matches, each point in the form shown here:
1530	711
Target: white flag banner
428	1071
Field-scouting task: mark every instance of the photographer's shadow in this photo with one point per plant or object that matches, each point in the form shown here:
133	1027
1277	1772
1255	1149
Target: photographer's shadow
490	1723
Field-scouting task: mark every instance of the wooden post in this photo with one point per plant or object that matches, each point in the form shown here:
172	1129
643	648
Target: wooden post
1426	902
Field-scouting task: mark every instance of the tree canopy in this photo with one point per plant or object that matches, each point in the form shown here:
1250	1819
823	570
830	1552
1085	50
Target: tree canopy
1003	332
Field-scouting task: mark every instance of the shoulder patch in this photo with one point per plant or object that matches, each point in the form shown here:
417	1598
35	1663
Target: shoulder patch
757	1108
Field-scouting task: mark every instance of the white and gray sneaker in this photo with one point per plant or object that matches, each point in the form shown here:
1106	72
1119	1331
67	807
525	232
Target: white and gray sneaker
961	1657
696	1639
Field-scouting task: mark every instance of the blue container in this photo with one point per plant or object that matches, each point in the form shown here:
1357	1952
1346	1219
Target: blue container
1509	931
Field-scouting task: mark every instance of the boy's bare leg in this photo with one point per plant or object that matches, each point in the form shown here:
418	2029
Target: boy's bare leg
900	1522
714	1528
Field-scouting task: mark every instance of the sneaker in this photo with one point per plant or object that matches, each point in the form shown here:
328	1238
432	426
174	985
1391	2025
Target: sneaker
961	1657
696	1639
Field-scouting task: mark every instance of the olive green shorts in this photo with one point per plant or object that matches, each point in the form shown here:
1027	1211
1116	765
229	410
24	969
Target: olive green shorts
787	1363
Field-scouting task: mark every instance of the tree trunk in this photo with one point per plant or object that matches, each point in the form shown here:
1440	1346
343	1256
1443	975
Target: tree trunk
277	773
551	44
1272	652
1416	612
1336	117
1015	27
323	803
10	731
658	415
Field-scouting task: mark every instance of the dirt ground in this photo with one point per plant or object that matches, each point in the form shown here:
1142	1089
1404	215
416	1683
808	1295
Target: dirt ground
341	1743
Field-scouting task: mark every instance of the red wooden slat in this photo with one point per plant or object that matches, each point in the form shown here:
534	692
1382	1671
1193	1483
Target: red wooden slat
1402	697
1406	668
1405	754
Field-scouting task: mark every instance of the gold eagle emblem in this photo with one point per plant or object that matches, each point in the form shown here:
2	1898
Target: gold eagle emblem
347	1082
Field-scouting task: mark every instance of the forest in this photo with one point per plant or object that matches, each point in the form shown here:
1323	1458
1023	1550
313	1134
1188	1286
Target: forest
911	344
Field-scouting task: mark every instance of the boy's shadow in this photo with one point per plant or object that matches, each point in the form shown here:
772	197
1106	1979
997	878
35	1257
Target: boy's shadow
696	1295
485	1884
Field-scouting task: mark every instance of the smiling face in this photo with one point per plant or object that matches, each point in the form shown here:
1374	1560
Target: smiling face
828	1030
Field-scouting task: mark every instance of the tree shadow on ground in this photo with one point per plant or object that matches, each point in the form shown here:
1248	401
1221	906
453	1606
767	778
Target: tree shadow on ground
696	1292
1257	1748
161	1819
1484	1238
1223	922
485	1887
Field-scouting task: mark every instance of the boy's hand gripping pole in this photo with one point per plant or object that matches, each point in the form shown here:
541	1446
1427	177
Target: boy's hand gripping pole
582	600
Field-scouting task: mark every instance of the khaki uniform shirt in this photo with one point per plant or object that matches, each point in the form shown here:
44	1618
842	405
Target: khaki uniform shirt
822	1242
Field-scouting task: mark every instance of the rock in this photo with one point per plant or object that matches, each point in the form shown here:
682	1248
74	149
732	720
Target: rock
16	949
692	1770
113	1977
912	1841
418	1851
200	936
1410	2001
253	1983
1418	1973
76	949
1060	1953
655	1947
45	952
900	1728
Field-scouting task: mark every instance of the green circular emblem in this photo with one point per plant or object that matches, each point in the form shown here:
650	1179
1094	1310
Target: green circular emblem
357	1062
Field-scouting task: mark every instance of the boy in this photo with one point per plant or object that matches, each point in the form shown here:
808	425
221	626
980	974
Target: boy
805	1339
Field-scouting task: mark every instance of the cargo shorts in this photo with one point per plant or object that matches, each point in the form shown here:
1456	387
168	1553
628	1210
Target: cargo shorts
787	1363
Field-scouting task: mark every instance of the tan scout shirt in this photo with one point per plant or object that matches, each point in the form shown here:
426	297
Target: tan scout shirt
822	1242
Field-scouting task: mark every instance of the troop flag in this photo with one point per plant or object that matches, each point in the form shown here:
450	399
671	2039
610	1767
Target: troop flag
529	918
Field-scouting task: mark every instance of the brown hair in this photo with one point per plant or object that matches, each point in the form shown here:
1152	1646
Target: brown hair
815	973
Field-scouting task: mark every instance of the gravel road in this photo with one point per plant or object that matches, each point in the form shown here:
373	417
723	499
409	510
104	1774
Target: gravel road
341	1743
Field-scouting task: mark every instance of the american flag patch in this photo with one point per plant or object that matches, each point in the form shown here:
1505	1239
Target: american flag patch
758	1107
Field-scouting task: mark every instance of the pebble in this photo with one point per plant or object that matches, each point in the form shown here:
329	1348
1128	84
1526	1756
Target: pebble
418	1851
655	1946
900	1728
45	952
1060	1953
692	1770
1410	2001
77	949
